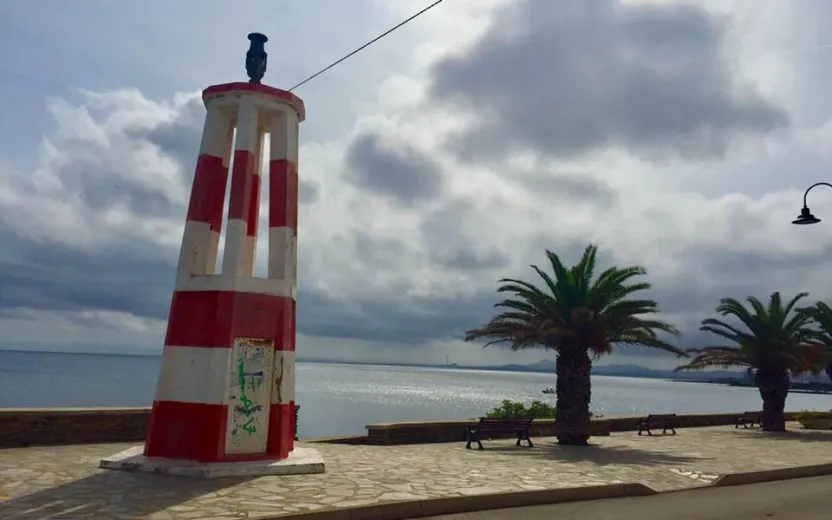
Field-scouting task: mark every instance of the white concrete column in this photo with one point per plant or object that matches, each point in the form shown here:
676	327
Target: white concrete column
283	197
198	253
235	258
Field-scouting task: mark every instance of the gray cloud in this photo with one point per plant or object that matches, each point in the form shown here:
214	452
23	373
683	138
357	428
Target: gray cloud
449	244
569	187
308	192
466	258
713	273
402	173
569	77
390	317
122	170
102	188
378	252
48	276
178	138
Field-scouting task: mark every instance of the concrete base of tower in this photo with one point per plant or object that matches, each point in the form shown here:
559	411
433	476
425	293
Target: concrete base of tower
301	461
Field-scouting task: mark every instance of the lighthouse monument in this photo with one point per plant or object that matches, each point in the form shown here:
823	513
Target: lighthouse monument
225	398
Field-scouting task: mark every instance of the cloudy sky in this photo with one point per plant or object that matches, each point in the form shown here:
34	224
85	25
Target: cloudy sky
676	135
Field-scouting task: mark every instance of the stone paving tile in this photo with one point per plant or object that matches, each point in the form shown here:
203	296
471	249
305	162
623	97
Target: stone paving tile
65	482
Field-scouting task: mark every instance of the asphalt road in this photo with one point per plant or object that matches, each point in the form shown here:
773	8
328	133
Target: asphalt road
804	499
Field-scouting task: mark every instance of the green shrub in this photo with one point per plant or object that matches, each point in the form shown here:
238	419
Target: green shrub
516	410
509	409
808	415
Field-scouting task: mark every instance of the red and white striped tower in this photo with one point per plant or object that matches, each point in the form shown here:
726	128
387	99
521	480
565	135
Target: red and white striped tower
227	385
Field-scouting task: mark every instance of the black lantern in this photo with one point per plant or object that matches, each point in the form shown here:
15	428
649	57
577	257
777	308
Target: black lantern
256	57
806	216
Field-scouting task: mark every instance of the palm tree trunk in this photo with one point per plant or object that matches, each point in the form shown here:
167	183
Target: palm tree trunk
574	391
774	387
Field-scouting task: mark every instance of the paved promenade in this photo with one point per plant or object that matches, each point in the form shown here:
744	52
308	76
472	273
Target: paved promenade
803	499
65	482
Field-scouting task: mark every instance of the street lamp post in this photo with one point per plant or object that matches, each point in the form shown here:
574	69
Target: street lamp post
806	216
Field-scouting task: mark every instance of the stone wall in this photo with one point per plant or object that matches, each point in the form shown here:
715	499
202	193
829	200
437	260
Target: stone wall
454	431
349	439
626	424
21	427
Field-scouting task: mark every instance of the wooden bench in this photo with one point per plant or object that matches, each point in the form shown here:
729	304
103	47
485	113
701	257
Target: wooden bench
748	419
487	427
655	421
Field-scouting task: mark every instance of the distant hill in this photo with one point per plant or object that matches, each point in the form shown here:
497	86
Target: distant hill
548	367
628	371
544	365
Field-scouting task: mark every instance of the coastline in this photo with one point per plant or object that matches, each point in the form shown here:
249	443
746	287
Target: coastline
725	378
797	387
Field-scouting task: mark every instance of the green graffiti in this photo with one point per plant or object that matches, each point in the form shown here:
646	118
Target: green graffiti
254	383
241	375
248	407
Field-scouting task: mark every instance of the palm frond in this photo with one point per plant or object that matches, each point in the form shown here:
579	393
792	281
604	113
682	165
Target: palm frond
771	337
714	357
573	309
793	302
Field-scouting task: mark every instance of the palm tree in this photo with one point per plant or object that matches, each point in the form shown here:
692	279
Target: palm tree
821	315
772	343
580	317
